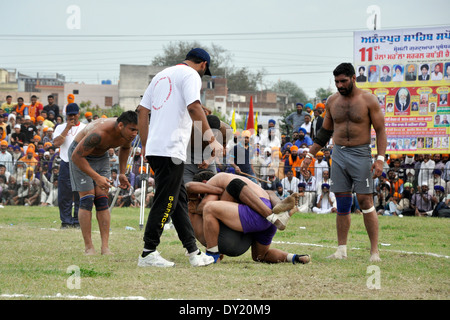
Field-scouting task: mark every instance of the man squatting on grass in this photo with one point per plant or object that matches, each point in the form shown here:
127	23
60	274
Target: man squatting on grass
350	113
229	214
90	170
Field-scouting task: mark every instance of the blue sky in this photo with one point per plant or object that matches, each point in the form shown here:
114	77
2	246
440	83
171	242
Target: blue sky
301	41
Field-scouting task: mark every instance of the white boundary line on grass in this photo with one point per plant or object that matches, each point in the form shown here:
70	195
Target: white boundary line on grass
318	245
397	251
64	296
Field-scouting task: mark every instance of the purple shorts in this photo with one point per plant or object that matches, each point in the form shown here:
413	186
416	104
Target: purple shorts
252	222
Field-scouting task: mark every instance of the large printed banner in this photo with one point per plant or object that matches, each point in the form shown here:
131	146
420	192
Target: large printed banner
409	71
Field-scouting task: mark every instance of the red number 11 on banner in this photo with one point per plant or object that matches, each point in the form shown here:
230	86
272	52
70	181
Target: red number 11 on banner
364	51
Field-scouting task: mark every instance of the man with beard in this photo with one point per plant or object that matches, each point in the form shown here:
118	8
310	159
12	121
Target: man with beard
296	119
350	114
242	157
303	138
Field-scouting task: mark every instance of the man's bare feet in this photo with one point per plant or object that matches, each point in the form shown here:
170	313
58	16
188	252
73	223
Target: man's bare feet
375	257
89	251
341	253
285	204
106	251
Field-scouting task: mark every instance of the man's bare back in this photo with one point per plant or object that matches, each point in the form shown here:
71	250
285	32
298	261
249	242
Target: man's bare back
222	180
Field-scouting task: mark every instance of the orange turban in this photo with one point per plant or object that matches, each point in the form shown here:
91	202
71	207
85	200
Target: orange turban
70	98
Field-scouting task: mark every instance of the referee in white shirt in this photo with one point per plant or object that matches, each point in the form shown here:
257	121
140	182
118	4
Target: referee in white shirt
173	99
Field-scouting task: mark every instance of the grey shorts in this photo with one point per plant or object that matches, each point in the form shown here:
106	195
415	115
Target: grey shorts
351	169
79	180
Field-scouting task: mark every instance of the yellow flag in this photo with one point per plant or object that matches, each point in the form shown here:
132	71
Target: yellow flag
233	122
256	121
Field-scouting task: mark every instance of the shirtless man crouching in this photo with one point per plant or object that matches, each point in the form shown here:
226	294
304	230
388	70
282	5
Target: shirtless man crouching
90	170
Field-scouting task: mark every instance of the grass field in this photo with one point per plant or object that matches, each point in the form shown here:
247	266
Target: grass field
40	261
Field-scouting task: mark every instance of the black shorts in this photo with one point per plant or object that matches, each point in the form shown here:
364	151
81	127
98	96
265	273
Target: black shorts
233	243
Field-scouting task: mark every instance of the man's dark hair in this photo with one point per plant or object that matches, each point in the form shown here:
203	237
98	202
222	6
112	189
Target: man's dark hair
19	98
8	96
128	117
203	175
50	96
345	68
213	121
425	66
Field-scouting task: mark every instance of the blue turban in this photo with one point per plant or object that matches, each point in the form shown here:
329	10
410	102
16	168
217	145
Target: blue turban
302	184
309	105
325	185
439	188
302	129
272	121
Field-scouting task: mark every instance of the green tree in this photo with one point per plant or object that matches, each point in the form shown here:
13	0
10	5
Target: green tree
175	53
244	80
294	92
238	79
323	93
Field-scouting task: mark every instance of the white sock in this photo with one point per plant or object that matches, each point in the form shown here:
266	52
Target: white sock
194	253
342	249
289	257
214	249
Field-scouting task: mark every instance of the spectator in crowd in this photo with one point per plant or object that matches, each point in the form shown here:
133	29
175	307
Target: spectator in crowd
68	200
307	125
28	128
8	106
320	165
290	183
441	201
22	193
296	119
436	179
29	159
316	123
21	108
51	106
280	192
35	108
113	159
309	180
242	156
5	157
271	182
422	202
394	181
293	162
326	201
18	137
426	170
303	138
393	206
383	196
305	199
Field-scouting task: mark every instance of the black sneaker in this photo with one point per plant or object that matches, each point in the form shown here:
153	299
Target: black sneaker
65	225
